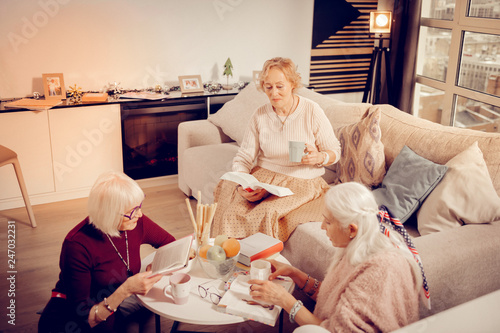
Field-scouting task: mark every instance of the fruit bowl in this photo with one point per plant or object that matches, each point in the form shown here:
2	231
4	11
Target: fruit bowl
218	269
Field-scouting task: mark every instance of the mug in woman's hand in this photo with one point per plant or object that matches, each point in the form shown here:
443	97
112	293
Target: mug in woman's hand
260	269
296	149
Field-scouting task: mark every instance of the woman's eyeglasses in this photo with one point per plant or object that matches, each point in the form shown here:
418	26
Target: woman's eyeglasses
204	292
133	213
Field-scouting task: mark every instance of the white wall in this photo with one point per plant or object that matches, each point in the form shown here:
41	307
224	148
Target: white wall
144	43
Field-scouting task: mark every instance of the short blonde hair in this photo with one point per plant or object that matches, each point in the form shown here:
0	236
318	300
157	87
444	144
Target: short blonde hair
285	65
112	194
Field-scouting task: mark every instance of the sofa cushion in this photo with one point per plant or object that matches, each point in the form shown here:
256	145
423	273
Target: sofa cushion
407	183
460	264
343	114
362	159
465	195
202	170
234	116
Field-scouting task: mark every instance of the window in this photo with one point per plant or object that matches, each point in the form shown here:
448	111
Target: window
458	64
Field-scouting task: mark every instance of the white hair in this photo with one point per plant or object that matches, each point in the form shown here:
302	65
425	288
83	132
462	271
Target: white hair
354	203
112	194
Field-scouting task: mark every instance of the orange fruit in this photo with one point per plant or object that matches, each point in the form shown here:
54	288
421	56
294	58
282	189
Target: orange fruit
203	250
231	247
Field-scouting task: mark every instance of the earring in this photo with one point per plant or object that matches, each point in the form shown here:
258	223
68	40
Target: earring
351	236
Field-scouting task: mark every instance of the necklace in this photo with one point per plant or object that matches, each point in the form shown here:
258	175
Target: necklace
289	112
126	263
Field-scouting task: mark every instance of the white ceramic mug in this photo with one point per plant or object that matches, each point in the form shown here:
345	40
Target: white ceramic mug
296	149
260	269
178	288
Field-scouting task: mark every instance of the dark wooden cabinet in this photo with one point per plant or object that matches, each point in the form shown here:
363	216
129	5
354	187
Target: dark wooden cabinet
149	131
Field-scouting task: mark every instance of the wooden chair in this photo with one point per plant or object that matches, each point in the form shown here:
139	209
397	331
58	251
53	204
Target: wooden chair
8	156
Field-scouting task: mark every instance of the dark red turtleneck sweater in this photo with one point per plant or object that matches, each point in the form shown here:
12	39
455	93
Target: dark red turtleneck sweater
90	267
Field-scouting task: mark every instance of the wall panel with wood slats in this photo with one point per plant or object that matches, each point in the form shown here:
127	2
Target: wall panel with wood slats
340	64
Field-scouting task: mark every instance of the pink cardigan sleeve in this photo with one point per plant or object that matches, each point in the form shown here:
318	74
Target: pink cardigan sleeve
381	296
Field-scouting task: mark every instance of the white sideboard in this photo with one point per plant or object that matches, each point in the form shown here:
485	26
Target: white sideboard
61	151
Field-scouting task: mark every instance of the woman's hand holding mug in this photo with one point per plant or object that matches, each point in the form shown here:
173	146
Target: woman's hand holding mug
313	156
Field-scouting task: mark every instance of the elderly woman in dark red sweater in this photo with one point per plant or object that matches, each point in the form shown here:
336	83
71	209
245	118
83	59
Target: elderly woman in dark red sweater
100	263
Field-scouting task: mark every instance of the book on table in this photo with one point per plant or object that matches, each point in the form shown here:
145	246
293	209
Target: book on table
33	104
95	97
172	257
258	246
250	183
237	300
143	95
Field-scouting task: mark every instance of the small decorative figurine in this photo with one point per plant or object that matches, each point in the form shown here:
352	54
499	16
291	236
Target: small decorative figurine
75	94
228	66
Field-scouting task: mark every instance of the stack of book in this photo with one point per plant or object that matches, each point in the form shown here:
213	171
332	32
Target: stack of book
258	246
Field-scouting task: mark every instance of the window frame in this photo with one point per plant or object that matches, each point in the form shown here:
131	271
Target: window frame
458	26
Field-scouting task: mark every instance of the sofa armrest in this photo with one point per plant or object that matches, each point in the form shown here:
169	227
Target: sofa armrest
198	133
191	134
314	259
460	264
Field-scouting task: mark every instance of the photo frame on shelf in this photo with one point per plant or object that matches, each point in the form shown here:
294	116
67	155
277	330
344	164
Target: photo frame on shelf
53	86
191	84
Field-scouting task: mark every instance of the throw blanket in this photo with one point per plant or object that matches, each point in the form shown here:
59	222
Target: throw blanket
390	222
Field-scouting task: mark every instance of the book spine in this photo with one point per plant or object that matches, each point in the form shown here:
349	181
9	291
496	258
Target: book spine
245	260
267	252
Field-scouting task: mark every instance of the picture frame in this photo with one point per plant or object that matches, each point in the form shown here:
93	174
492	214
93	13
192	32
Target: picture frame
191	84
53	86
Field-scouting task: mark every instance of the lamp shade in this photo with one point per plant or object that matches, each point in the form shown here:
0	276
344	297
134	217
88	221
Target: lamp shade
380	22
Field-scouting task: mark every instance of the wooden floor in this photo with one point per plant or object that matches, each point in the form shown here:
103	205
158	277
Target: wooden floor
37	253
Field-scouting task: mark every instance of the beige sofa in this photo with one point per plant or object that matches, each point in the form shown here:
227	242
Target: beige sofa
462	262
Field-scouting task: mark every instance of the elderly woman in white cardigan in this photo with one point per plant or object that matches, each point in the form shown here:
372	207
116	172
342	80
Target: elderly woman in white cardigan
264	153
373	282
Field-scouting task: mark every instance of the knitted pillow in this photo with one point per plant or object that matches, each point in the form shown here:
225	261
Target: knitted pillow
362	159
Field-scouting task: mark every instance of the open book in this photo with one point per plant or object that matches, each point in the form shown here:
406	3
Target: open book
172	257
237	301
250	183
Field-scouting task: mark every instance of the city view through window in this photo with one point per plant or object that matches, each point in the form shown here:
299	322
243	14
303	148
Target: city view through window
458	64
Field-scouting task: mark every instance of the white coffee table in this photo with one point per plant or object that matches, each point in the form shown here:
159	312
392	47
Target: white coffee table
197	310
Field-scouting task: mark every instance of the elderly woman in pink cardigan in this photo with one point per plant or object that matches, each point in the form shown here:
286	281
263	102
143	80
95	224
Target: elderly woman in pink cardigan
372	283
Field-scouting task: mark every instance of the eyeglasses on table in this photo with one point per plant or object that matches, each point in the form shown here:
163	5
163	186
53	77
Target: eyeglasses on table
210	291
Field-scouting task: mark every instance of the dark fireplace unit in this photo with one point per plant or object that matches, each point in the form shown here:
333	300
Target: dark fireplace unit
149	132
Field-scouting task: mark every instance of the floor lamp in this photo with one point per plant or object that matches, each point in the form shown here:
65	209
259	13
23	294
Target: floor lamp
380	23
